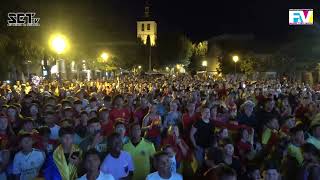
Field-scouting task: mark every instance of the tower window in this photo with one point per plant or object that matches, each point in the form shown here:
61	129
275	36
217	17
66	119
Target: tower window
142	27
148	27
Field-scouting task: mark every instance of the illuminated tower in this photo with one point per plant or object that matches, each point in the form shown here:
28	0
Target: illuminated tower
147	27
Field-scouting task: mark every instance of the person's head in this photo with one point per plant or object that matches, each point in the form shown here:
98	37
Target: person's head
161	162
93	114
44	132
50	117
270	171
118	101
153	108
12	112
297	134
205	113
290	122
94	126
115	143
26	142
143	102
52	101
269	105
214	111
92	160
254	172
107	101
310	153
228	147
77	106
120	128
226	173
34	109
104	114
135	131
84	117
66	135
248	107
169	150
272	122
223	133
3	122
93	102
173	107
245	135
68	112
27	124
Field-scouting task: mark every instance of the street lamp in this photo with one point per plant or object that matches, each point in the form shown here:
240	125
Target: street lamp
104	56
58	43
235	60
167	68
139	67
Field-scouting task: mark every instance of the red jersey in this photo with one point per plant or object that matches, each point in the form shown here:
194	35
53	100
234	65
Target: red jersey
123	114
155	130
188	121
140	113
107	129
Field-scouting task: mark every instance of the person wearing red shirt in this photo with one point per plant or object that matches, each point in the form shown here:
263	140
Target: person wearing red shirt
106	124
141	111
177	143
152	126
119	112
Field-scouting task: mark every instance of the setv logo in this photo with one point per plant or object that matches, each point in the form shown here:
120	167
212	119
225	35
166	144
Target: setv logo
300	16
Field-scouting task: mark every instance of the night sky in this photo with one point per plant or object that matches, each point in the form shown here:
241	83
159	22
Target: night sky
101	21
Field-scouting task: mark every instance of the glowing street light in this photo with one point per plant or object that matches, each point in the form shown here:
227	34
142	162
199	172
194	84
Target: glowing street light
167	69
235	60
139	67
204	63
104	56
58	43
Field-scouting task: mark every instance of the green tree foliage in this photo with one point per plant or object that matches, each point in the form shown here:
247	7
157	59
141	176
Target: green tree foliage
174	48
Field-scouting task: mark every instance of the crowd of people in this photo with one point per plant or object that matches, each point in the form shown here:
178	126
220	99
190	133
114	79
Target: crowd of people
158	128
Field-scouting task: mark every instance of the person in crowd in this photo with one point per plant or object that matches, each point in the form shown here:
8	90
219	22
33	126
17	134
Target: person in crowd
297	141
120	128
141	151
141	111
163	167
189	118
92	163
246	115
201	133
14	118
77	104
106	124
119	111
173	117
152	125
27	162
315	132
65	160
220	172
94	138
118	163
107	102
271	171
177	144
228	157
253	172
267	111
311	164
50	121
270	135
35	114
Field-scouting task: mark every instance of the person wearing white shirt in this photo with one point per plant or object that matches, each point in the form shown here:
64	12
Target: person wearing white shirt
118	163
92	162
163	166
27	162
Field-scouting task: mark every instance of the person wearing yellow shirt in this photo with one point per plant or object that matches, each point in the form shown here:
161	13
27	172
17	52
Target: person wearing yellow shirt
141	150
